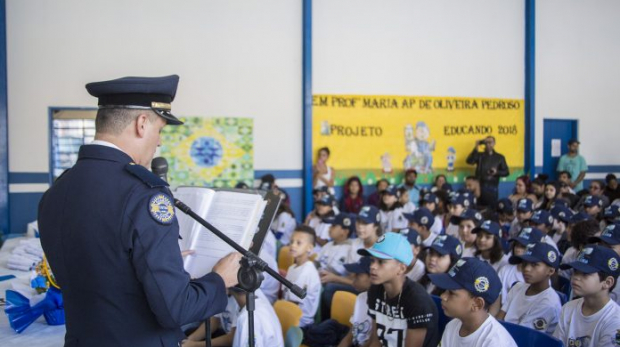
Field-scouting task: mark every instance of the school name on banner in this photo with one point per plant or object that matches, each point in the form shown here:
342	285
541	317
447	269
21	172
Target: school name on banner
381	136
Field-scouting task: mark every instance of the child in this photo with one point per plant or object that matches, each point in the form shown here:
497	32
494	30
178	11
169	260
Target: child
408	205
375	198
360	321
611	214
561	218
367	225
467	222
391	211
543	221
579	235
325	212
431	202
534	304
471	287
445	251
524	213
402	313
284	223
593	319
506	216
353	197
304	274
417	268
421	221
610	237
458	204
593	205
489	245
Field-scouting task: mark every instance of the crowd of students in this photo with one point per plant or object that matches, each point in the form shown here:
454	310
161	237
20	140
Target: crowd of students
545	257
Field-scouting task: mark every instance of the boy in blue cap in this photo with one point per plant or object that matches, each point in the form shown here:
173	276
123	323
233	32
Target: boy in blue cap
422	220
524	213
471	287
416	269
593	319
431	201
543	220
610	237
445	251
593	205
505	216
459	202
392	210
319	219
467	222
360	320
368	228
534	304
402	313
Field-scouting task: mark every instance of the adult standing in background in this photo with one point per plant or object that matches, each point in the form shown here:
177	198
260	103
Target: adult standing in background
490	166
575	164
322	174
411	175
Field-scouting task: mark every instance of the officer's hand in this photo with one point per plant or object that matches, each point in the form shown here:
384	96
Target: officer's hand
227	268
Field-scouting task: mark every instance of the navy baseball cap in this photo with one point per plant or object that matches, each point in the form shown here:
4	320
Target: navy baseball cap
592	200
447	244
430	197
361	267
490	227
610	235
559	202
325	200
528	235
391	190
462	198
505	206
538	252
594	258
390	246
414	237
611	212
561	213
421	216
469	214
369	214
579	217
525	205
472	274
345	220
542	217
142	93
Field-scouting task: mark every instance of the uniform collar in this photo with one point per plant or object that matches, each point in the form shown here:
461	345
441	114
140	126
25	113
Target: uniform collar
102	152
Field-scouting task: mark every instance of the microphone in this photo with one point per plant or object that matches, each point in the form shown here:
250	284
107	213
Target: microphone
159	166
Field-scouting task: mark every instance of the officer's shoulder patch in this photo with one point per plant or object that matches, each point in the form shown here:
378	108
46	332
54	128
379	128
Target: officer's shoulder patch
149	178
161	208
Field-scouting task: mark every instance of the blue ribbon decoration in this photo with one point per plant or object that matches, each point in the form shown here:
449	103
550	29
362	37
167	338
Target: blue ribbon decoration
21	314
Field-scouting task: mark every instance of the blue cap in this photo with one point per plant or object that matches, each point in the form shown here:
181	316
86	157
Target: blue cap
421	216
561	213
538	252
391	190
430	197
472	274
414	237
345	220
592	200
612	211
143	93
368	215
525	205
469	214
542	217
594	258
447	244
579	217
505	206
390	246
490	227
361	267
325	200
559	202
528	235
610	235
462	198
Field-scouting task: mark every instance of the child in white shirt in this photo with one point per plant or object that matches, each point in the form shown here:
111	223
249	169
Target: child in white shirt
489	244
610	237
417	269
430	201
468	221
360	320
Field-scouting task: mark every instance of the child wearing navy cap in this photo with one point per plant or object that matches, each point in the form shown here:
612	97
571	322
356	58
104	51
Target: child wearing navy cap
391	210
360	320
402	313
445	251
611	214
505	215
524	213
534	304
408	205
593	319
458	203
610	237
580	233
422	220
467	222
471	287
368	227
431	202
543	221
417	268
561	218
324	209
489	245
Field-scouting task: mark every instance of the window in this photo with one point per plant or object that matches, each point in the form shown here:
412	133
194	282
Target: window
70	130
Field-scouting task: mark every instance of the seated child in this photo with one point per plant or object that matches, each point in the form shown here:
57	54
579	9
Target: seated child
368	229
324	209
579	235
610	237
534	304
304	274
402	313
422	220
467	222
284	223
506	216
471	287
360	321
489	244
458	204
417	268
408	205
431	202
524	213
559	231
593	206
543	221
445	251
391	210
593	319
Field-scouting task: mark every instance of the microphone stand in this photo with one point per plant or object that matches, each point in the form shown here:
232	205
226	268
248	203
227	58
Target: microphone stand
250	275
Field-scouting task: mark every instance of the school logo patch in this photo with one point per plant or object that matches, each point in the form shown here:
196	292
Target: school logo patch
466	203
459	249
418	239
424	220
552	256
481	284
612	263
161	209
346	222
540	324
478	216
501	205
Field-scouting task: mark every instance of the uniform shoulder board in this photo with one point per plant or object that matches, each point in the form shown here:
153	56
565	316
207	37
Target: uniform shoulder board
149	178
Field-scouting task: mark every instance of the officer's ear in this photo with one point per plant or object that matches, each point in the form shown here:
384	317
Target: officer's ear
141	124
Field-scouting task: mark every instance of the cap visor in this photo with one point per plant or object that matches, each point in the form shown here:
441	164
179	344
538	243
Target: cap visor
374	253
522	242
354	268
170	119
579	266
439	250
444	281
518	259
607	240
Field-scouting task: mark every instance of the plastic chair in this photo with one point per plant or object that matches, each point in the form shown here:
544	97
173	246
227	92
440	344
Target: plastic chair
294	337
442	319
526	337
343	304
288	314
285	260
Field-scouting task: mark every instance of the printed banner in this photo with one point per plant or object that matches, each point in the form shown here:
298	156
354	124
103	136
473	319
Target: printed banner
381	136
209	152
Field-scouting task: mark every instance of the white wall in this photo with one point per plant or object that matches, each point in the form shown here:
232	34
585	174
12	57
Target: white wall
578	73
235	58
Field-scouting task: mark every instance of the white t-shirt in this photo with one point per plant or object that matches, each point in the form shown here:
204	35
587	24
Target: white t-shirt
437	226
228	318
515	228
409	207
499	264
452	230
284	223
429	241
333	257
270	245
267	328
597	330
355	245
468	251
322	231
539	312
307	277
509	274
615	294
360	320
569	256
393	220
418	271
490	334
270	286
549	240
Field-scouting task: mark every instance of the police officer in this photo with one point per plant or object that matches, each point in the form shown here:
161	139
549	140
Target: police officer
109	230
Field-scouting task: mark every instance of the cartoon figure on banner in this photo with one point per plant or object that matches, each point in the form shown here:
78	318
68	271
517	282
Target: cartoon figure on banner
386	163
425	147
451	159
409	137
413	160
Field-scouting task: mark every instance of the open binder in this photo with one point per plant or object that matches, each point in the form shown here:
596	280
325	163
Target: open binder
243	215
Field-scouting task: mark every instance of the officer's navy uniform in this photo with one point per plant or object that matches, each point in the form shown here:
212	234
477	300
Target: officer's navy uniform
109	230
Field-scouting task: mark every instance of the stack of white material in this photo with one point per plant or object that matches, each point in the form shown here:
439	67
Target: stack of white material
26	255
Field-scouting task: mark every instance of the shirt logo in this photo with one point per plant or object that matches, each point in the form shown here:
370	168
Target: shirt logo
481	284
161	209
